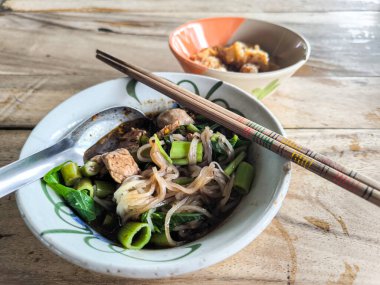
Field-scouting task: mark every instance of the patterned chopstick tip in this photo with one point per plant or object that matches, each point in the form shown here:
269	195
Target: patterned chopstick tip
291	144
301	160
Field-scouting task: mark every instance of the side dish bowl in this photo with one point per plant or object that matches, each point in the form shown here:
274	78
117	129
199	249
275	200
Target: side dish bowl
56	226
286	48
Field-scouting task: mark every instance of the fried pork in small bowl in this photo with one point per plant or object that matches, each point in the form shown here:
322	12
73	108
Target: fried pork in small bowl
254	55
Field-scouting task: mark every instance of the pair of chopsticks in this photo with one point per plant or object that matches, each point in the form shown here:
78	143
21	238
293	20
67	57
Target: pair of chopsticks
319	164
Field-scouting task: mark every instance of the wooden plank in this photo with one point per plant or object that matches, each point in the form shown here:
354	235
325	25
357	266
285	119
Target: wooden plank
191	6
11	142
327	103
321	235
67	40
25	100
299	103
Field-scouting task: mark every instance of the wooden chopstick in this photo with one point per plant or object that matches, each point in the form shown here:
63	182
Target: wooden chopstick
239	125
302	149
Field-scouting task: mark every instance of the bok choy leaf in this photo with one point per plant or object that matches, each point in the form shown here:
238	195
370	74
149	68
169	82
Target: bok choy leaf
79	200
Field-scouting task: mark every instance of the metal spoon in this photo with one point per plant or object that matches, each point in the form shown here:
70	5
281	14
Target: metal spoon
19	173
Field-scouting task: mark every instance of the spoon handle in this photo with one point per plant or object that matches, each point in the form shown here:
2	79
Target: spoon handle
19	173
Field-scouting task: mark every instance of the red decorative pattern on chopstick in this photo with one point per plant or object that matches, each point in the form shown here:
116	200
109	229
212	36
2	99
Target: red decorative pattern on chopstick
248	129
306	151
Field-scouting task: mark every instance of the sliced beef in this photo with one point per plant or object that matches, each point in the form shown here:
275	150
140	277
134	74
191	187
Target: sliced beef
131	140
120	164
170	116
113	140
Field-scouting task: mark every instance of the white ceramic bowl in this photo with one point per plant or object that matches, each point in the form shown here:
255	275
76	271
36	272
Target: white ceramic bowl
287	48
56	226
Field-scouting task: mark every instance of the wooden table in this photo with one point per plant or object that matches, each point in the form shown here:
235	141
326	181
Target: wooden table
322	235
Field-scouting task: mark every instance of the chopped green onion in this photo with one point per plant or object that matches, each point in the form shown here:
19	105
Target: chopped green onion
230	168
180	149
180	161
192	129
110	221
183	180
214	126
134	235
234	140
90	168
201	127
104	188
243	177
85	184
162	151
144	139
71	173
215	137
159	240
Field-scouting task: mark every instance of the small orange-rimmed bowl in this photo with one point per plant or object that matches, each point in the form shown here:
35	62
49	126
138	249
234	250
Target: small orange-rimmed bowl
286	48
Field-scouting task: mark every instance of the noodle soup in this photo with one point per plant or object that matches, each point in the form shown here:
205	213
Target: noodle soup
157	183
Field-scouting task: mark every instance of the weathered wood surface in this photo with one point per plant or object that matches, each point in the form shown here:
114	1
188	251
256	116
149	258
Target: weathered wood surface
343	44
212	6
321	235
315	102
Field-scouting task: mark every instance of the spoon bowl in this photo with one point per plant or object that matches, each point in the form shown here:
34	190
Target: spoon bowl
71	147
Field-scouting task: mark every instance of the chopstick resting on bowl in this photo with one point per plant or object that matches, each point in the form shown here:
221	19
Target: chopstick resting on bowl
308	159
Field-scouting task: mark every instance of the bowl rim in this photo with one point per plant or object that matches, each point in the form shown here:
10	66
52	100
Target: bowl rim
267	74
269	212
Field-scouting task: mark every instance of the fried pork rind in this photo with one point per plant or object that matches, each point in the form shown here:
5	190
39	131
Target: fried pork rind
209	58
236	57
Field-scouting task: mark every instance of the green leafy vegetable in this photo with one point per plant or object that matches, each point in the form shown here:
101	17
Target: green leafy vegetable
201	127
79	200
158	219
162	151
167	140
82	203
215	144
85	184
192	128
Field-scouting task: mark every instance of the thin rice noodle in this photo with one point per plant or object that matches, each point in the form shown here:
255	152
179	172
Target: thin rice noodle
206	143
227	147
192	155
167	221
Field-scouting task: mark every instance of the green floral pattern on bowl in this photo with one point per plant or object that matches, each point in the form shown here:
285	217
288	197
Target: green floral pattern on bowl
261	93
